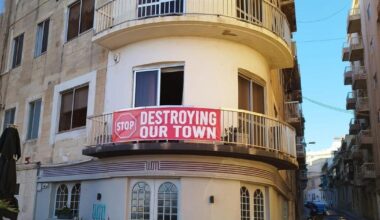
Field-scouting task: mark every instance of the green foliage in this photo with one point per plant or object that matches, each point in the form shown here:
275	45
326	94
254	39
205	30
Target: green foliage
5	206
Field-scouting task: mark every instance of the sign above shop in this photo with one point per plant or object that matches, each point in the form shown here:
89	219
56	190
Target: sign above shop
166	123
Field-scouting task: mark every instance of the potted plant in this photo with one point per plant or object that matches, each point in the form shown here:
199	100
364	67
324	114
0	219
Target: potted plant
64	213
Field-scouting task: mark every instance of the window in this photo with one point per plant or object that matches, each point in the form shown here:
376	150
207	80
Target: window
34	119
258	205
17	50
81	18
42	38
61	197
149	8
158	205
159	87
73	112
249	10
75	198
9	117
140	205
244	204
167	203
68	198
251	95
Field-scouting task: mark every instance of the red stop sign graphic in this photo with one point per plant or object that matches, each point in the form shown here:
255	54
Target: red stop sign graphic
124	125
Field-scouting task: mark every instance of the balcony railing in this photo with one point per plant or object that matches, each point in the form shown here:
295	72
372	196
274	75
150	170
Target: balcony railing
238	127
350	100
356	125
368	171
359	77
261	13
293	112
364	138
348	75
353	21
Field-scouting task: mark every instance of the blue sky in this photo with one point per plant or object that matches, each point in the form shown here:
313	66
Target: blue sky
1	5
321	32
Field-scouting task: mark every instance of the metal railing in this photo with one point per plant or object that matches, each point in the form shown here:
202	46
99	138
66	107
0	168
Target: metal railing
368	170
238	127
354	11
262	13
355	42
293	111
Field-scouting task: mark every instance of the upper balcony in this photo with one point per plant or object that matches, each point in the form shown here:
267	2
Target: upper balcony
236	133
353	50
350	100
368	171
364	138
301	153
354	21
258	24
356	125
359	78
293	112
348	75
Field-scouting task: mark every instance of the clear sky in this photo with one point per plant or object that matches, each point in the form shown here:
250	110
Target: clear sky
1	5
321	32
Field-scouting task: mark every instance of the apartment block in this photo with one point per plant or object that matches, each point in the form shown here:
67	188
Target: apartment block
154	109
354	176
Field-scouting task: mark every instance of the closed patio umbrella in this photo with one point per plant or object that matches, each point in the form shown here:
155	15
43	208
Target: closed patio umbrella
10	152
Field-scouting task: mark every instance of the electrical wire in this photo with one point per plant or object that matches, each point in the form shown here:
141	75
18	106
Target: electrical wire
325	18
332	107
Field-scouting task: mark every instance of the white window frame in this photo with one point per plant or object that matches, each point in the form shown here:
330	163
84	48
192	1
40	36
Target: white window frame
154	185
90	79
251	189
158	68
70	187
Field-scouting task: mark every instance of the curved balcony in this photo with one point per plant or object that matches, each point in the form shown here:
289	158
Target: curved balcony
259	24
244	134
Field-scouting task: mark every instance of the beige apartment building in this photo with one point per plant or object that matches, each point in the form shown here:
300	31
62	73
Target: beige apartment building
154	109
356	168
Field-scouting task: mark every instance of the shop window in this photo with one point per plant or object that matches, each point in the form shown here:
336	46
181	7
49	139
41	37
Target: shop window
68	198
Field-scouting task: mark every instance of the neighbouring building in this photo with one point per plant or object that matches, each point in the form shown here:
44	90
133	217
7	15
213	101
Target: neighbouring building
315	161
154	109
355	172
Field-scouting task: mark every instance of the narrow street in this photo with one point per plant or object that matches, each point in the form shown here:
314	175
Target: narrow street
332	215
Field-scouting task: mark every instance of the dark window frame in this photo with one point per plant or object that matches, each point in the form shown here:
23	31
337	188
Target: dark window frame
78	28
17	49
73	91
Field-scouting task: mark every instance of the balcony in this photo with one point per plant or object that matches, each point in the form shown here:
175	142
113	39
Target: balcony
353	21
303	174
293	112
362	105
351	101
300	147
356	125
359	78
368	171
260	24
364	138
243	134
353	50
356	153
348	75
